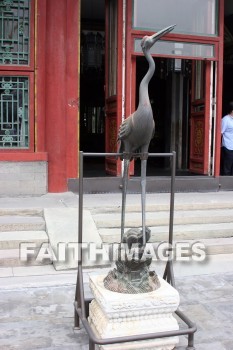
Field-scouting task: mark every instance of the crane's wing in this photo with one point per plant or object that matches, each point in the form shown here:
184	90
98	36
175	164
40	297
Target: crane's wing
125	129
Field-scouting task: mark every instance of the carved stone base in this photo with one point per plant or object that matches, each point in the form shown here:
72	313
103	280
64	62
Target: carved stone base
114	314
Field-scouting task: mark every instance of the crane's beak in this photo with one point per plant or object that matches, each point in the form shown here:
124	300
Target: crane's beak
161	33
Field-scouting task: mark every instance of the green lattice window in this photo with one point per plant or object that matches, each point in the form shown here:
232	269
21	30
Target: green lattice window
14	112
14	32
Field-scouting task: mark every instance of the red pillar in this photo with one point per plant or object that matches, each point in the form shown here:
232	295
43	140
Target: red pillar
72	88
61	92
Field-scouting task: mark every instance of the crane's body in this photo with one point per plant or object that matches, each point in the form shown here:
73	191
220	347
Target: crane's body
136	131
136	141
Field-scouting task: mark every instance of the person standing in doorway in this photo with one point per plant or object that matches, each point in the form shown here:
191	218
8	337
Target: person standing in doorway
227	142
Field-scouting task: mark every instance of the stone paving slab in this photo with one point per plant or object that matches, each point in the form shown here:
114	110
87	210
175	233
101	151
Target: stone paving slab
6	272
42	317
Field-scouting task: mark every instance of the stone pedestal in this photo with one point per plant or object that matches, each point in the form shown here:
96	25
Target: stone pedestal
115	315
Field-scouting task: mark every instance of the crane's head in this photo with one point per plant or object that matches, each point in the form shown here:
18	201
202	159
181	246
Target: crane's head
148	41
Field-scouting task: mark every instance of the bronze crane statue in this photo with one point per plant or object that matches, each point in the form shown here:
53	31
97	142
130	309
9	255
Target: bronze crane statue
136	131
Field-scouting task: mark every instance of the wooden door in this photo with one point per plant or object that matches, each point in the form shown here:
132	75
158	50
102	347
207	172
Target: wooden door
113	86
200	118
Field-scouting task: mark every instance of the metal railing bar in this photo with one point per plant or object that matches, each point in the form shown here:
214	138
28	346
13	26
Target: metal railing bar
91	154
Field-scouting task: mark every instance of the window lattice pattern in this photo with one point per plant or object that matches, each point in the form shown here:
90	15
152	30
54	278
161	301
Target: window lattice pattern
14	113
14	32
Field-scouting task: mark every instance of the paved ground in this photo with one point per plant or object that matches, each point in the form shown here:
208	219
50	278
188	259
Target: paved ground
36	303
37	311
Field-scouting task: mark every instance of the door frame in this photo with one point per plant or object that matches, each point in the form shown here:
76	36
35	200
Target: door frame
125	98
217	42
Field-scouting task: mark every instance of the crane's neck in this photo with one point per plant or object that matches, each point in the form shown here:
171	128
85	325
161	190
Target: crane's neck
143	88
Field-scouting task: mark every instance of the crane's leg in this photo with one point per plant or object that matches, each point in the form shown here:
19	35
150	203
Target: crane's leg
126	162
143	195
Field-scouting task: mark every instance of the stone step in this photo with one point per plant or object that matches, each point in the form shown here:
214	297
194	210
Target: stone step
13	239
155	207
218	245
180	232
21	223
21	212
187	217
211	246
11	258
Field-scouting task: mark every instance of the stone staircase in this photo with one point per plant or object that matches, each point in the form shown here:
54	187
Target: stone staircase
19	226
210	223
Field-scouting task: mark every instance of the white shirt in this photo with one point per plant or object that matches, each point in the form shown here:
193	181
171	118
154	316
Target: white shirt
227	132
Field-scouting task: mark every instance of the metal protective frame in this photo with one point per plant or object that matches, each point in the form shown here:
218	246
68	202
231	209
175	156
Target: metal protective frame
81	304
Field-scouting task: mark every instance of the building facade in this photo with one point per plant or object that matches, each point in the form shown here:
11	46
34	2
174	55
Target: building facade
70	72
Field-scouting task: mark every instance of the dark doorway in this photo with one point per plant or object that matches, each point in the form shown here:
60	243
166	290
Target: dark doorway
92	77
